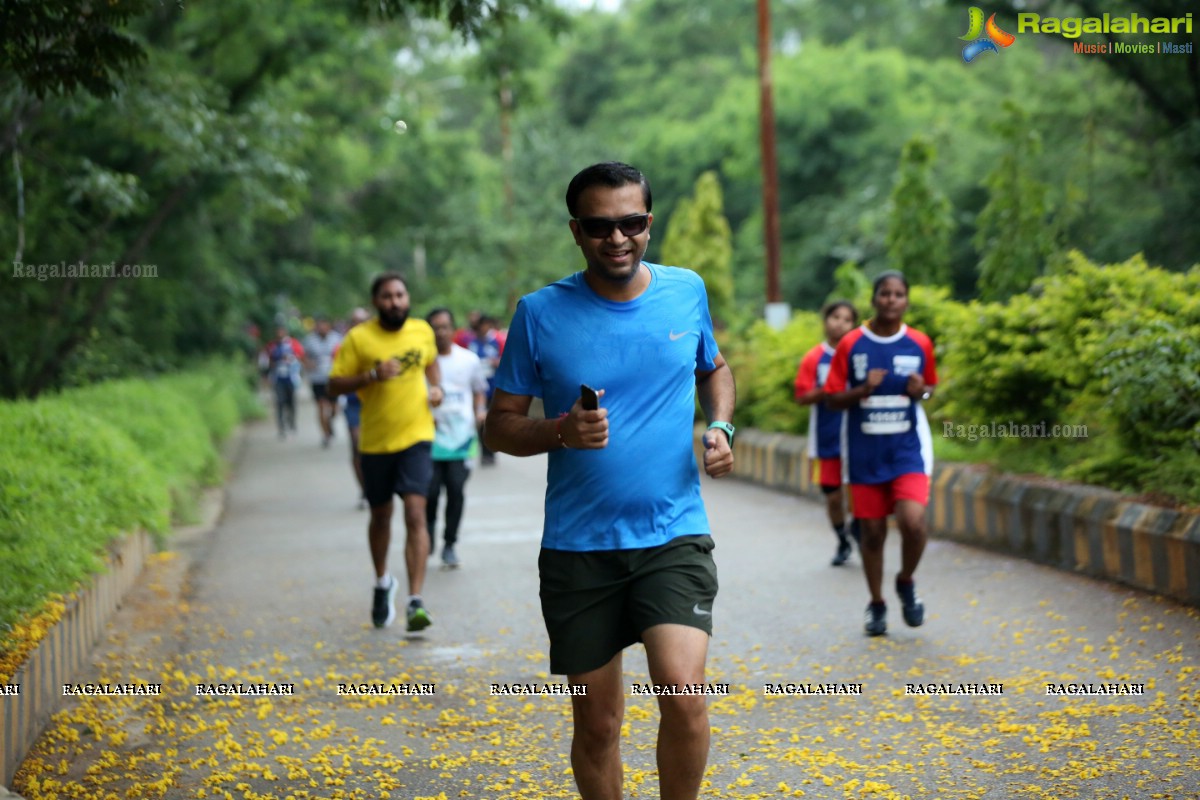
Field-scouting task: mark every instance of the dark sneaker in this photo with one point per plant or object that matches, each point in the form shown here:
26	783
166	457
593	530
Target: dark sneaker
418	617
450	558
383	609
876	619
843	552
914	609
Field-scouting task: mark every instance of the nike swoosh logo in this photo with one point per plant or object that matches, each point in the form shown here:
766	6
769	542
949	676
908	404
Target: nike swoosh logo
700	612
674	336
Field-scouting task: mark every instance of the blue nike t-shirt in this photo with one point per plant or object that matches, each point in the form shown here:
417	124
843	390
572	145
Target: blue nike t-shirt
643	489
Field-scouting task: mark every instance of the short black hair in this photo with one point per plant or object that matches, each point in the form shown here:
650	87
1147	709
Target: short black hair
883	276
440	310
386	277
612	174
835	305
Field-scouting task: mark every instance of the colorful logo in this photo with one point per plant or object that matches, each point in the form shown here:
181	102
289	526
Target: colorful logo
983	37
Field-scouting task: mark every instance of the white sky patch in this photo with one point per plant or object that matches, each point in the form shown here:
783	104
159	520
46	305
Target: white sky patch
590	5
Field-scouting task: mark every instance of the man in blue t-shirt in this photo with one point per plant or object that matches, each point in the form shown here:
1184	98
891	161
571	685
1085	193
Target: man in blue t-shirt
626	552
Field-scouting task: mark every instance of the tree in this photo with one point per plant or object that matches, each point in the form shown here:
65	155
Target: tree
849	283
202	164
1013	236
62	46
699	238
67	45
1170	86
918	239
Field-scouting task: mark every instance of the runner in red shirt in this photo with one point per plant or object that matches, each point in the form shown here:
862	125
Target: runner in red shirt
825	424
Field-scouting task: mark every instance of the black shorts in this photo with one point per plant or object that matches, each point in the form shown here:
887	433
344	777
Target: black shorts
320	391
405	472
597	603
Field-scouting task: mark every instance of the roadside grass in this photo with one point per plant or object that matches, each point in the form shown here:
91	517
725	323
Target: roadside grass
82	468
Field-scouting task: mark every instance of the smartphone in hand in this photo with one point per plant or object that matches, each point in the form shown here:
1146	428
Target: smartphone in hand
588	399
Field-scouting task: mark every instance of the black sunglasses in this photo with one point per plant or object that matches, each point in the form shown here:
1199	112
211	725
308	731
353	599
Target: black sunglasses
602	228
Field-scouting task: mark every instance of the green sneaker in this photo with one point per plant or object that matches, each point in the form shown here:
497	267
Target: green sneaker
418	617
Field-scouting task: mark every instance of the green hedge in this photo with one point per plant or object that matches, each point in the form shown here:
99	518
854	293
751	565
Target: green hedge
1112	348
81	468
764	363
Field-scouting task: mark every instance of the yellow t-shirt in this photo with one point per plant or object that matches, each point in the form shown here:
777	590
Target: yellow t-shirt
395	413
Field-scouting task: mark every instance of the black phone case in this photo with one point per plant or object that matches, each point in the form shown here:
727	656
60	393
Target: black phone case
588	399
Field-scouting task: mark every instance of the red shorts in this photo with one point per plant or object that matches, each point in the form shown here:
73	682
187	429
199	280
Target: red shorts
877	500
827	471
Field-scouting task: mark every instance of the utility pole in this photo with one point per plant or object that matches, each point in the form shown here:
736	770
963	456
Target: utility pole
777	312
506	159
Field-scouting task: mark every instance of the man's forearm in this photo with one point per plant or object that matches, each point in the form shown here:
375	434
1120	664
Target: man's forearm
718	394
347	384
840	401
811	397
520	435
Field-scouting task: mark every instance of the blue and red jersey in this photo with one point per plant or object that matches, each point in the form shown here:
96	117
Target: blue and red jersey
886	435
824	423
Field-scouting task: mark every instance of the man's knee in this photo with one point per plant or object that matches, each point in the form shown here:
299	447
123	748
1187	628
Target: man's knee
874	533
414	511
690	711
910	518
597	724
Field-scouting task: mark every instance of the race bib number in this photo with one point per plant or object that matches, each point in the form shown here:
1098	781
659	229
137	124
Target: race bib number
886	414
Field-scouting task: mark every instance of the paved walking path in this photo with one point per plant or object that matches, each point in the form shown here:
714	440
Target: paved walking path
279	593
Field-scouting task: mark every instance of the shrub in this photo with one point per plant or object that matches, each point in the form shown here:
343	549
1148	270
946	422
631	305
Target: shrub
79	469
70	484
764	362
165	423
1150	379
1115	348
1111	347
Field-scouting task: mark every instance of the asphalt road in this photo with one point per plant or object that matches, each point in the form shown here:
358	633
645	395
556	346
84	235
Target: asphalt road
278	593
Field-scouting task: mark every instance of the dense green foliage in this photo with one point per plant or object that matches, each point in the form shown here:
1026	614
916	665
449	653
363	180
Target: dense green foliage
1014	235
918	238
1110	354
767	360
248	154
82	467
699	238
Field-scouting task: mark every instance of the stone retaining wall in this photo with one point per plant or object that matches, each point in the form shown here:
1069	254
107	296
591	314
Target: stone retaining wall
65	649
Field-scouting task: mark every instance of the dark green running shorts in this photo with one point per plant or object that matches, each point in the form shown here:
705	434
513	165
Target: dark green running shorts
598	603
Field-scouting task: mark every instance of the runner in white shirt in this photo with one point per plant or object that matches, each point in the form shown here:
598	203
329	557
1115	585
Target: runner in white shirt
457	420
319	348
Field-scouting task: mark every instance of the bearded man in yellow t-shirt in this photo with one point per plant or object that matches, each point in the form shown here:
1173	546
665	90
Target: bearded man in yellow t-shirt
391	363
